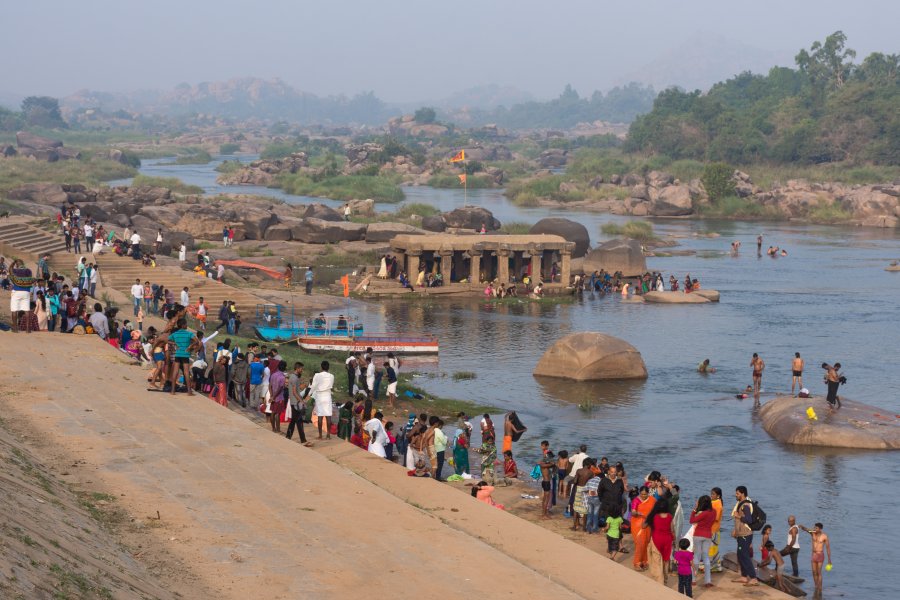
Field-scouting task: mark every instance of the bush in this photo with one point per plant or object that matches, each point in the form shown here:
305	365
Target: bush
278	150
515	228
195	158
718	180
831	212
732	207
452	181
343	187
636	230
416	208
173	183
15	171
425	115
229	166
229	148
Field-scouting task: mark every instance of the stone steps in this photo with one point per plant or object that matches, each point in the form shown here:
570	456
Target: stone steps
30	240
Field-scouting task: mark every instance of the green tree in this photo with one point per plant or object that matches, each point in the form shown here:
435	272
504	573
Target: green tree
828	63
42	111
718	180
425	115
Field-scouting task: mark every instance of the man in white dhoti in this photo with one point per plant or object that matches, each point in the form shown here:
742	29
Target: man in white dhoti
321	386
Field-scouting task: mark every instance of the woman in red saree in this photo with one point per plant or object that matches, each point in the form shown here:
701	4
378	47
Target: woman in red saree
660	525
640	510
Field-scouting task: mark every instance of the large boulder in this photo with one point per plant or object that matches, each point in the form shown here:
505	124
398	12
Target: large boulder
280	232
854	425
255	222
590	356
96	212
164	216
385	232
571	230
471	217
675	298
672	201
322	212
51	194
317	231
363	208
434	223
711	295
617	255
36	142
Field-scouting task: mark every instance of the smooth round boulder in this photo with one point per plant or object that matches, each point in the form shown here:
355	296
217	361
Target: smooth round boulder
893	268
590	356
471	217
617	255
854	425
675	298
570	230
711	295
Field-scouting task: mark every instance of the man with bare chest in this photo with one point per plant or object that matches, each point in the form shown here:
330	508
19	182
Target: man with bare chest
579	508
796	373
820	545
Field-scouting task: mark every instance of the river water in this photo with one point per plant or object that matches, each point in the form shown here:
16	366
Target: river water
829	299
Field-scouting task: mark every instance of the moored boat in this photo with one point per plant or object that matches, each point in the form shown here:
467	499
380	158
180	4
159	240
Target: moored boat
274	323
406	344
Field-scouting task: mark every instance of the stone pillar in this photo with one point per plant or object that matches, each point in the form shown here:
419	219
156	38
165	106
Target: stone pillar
503	265
412	266
475	266
446	267
517	265
565	268
536	274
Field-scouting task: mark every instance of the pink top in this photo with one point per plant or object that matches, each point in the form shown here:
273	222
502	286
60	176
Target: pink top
685	560
484	494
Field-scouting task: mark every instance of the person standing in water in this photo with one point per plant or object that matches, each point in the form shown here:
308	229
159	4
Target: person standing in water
758	365
796	373
820	545
759	245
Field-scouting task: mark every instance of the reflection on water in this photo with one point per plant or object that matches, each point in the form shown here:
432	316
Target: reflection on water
828	299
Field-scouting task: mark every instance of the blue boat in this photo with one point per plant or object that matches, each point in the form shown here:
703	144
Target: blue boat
276	323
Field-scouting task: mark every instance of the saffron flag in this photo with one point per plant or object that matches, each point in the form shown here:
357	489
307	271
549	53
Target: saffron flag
459	156
462	178
345	280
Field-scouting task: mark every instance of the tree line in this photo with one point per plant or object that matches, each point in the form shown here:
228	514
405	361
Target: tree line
828	109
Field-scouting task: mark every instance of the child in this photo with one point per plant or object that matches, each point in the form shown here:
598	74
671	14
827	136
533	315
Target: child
779	565
389	447
510	469
746	393
685	561
613	530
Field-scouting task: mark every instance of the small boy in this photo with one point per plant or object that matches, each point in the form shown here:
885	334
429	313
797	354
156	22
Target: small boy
685	561
613	530
779	565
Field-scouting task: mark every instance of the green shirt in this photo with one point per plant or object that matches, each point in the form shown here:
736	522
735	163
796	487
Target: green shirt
182	339
615	524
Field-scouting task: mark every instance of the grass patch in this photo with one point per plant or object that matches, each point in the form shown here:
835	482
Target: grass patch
463	375
411	209
733	207
828	213
334	257
766	175
204	245
70	581
229	166
381	188
195	158
452	181
636	230
18	171
173	183
527	192
515	228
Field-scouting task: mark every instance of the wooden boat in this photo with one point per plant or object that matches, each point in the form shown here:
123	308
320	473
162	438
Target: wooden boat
274	323
379	342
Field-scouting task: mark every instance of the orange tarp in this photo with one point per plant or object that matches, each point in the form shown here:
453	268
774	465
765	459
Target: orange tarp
247	265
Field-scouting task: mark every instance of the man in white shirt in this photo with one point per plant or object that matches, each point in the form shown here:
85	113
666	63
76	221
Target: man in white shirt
577	461
185	297
88	236
158	241
321	386
137	295
99	322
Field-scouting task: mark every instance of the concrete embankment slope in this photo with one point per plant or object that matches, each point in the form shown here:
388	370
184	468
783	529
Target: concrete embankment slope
258	517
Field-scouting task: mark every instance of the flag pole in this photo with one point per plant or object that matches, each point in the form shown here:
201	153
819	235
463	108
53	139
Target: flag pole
465	185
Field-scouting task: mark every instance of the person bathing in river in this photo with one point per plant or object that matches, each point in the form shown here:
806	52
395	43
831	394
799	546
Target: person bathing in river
758	365
705	367
820	544
512	430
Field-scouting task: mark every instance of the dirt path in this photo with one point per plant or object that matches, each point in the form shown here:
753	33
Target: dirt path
256	516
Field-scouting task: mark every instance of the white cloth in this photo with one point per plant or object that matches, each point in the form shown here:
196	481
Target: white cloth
185	298
98	246
137	291
20	300
181	253
382	271
370	375
321	386
796	539
135	238
377	437
392	389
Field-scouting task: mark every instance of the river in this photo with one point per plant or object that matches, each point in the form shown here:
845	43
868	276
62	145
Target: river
829	299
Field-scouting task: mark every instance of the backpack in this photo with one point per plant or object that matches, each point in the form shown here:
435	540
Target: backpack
757	515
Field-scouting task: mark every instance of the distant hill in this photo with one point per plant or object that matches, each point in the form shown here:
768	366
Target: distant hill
240	98
701	61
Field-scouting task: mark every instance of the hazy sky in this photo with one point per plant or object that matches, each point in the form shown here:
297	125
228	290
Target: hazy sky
402	50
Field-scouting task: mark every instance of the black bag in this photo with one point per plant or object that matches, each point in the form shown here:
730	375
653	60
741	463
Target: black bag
757	515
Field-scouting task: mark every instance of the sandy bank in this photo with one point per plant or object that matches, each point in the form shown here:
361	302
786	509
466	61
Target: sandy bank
257	516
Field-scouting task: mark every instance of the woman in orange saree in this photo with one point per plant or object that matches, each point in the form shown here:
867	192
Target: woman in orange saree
640	508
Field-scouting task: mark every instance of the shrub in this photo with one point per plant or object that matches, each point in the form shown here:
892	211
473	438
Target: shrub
409	209
830	212
195	158
278	150
229	148
515	228
381	188
173	183
229	166
636	230
718	181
